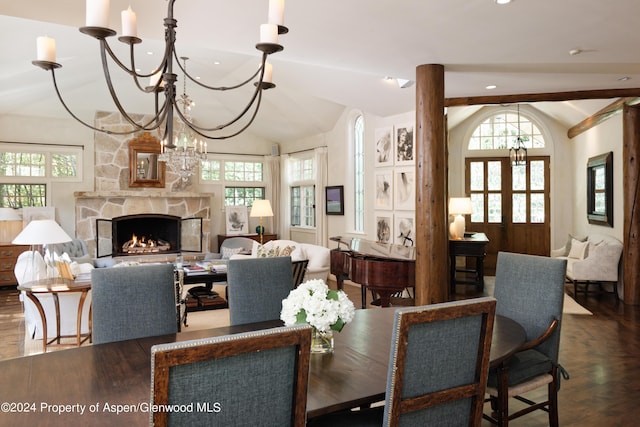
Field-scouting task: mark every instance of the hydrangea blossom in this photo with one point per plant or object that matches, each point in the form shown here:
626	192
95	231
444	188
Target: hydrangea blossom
314	303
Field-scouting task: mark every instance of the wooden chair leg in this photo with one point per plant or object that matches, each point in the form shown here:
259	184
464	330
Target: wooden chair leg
553	399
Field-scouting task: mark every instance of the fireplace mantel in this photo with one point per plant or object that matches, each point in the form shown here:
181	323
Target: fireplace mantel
147	194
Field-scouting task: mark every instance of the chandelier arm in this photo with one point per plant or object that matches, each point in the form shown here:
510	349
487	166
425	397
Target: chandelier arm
257	92
55	85
114	96
220	88
253	116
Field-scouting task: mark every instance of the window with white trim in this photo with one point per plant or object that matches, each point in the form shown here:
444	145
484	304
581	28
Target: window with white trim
243	180
500	130
358	174
302	191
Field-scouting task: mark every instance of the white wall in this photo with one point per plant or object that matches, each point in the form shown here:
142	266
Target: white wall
601	139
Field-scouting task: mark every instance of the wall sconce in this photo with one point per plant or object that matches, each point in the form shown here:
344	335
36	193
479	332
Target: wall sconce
459	206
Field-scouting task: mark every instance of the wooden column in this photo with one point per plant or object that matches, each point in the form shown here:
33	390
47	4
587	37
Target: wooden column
631	197
432	242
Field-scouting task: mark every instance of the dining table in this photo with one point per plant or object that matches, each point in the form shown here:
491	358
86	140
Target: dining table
109	384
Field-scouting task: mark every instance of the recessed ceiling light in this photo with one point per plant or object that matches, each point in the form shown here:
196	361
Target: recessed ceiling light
624	78
490	87
149	53
574	52
216	62
503	1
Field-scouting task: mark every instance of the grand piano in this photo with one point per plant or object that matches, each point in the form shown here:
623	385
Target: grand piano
383	268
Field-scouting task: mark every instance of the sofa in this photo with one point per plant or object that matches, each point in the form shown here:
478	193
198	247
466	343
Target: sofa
594	259
318	256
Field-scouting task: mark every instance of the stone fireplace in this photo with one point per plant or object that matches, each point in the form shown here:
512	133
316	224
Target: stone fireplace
114	198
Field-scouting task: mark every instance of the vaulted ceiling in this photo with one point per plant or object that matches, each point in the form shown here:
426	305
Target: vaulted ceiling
335	56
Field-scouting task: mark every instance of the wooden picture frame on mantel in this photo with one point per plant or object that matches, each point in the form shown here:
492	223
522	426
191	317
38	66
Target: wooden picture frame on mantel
145	170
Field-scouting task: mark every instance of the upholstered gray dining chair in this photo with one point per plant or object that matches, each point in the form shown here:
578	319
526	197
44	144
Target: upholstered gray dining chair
133	302
256	288
249	379
530	290
437	370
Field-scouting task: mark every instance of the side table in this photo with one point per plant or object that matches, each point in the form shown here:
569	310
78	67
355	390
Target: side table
472	246
56	286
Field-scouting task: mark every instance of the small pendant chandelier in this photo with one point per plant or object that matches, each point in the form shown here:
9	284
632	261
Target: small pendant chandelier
518	152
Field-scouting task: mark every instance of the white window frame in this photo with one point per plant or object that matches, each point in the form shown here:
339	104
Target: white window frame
358	174
296	176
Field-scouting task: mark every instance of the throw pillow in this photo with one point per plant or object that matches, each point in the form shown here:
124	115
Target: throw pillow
227	252
267	252
578	249
570	238
287	251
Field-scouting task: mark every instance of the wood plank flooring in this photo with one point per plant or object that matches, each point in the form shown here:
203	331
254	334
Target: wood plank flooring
600	352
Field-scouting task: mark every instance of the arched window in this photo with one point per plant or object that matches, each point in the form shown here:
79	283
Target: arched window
499	131
358	174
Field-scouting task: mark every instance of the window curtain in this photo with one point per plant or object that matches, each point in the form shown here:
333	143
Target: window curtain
285	203
274	183
320	160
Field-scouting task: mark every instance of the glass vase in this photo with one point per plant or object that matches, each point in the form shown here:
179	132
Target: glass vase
321	342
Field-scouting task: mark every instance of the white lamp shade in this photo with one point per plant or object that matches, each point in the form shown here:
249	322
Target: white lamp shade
261	208
41	232
460	206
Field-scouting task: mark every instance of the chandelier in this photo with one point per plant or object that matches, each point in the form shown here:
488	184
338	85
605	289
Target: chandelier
518	152
97	26
186	157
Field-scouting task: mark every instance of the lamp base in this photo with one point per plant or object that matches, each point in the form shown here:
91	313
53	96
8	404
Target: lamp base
457	228
259	229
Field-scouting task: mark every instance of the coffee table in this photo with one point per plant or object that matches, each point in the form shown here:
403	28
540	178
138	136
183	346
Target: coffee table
205	302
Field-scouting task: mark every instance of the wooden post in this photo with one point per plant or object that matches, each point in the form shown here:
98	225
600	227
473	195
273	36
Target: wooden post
432	242
631	197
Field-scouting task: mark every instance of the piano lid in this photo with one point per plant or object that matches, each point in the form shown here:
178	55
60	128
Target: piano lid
377	249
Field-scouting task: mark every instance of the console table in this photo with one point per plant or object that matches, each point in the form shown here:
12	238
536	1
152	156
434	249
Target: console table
256	237
473	245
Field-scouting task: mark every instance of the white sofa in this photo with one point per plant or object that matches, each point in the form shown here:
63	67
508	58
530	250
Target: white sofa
592	260
318	256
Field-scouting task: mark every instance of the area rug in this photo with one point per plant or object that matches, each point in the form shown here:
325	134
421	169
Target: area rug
572	307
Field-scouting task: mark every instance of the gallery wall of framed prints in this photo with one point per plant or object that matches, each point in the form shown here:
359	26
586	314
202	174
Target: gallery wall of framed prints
395	184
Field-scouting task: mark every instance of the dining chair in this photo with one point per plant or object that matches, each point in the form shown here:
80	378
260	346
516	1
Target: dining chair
255	378
530	290
256	288
299	270
133	302
437	371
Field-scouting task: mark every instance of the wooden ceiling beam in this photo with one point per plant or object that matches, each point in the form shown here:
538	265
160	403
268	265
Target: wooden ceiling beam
600	116
542	97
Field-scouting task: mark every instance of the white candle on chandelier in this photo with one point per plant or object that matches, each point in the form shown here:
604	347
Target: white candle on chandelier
268	73
129	23
153	80
46	47
97	13
276	12
268	33
201	146
205	147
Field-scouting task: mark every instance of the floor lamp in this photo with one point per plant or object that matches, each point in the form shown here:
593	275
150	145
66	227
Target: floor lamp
261	208
41	232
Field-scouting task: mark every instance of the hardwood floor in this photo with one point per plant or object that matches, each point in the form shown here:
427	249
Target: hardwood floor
600	352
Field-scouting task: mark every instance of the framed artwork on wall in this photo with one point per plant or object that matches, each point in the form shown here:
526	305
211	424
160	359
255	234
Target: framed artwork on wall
384	189
404	145
384	226
384	146
404	229
600	190
335	200
236	219
405	189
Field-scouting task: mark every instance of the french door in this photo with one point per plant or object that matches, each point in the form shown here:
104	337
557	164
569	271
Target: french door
510	205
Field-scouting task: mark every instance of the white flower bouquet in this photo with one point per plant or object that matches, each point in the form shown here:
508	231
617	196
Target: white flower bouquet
314	303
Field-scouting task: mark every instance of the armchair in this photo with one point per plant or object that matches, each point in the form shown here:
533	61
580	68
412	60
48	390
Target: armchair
530	290
257	378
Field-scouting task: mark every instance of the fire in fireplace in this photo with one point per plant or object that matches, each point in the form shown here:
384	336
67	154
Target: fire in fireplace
144	245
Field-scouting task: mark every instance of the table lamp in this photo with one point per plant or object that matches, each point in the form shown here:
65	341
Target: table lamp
459	206
261	208
10	224
41	232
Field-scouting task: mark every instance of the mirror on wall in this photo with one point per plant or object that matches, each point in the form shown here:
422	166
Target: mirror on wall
144	168
600	189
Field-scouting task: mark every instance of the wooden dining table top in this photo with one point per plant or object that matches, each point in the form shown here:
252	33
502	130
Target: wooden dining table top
109	384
